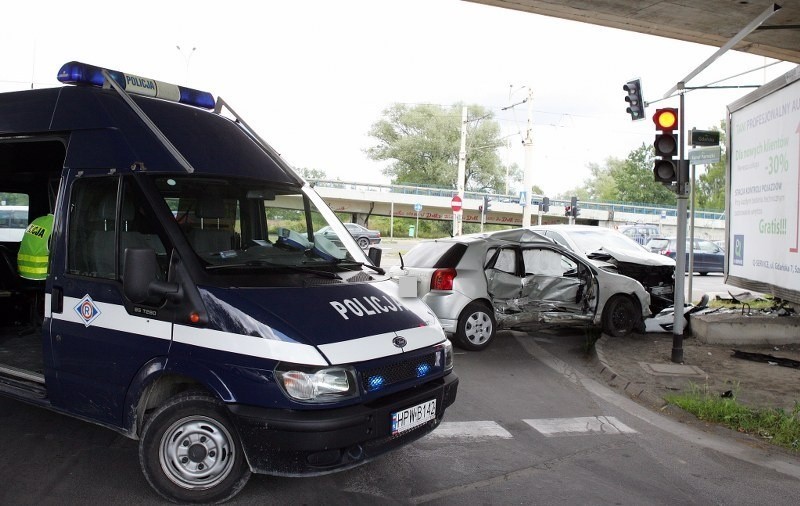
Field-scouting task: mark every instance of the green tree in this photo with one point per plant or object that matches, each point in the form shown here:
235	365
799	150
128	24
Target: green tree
628	180
310	174
422	144
710	187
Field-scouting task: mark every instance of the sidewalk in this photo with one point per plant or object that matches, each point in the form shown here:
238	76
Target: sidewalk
641	365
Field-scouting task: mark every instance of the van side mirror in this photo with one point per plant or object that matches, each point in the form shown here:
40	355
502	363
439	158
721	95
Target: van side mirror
139	278
374	255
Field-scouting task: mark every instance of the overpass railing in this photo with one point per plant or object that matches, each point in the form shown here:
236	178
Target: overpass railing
434	191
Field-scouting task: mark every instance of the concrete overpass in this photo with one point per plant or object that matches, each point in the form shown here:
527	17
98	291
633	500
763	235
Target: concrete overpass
710	22
363	200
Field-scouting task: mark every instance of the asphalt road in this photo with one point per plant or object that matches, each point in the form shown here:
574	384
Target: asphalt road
530	426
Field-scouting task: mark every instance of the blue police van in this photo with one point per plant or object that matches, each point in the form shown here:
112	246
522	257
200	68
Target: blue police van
190	303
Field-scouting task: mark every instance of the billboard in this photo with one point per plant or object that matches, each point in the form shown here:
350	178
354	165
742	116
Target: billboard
763	189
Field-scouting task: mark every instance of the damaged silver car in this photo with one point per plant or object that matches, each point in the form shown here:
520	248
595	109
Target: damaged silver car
517	279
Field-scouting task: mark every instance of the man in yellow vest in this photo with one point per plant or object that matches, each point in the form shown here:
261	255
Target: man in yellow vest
34	250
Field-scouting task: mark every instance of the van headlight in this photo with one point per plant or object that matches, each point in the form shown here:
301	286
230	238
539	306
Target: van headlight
447	352
311	384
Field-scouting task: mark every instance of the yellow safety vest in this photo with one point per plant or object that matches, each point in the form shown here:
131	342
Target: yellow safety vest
34	250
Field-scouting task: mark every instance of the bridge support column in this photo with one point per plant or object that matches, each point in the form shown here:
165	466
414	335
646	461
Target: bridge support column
361	218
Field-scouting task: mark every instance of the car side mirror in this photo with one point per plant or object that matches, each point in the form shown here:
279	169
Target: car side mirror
139	278
375	256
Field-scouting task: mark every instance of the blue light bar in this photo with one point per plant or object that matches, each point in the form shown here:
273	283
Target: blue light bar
81	73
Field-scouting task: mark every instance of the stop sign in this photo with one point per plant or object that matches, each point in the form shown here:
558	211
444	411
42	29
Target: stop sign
455	204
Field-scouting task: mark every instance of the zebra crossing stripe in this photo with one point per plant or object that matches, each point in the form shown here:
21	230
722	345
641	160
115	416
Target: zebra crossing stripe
470	430
553	427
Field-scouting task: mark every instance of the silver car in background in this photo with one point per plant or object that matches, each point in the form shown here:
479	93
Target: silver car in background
479	283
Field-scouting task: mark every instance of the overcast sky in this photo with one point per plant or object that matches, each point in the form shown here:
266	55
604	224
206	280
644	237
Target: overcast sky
312	76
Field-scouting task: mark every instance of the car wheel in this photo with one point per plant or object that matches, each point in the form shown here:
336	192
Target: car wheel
190	452
621	316
363	242
476	327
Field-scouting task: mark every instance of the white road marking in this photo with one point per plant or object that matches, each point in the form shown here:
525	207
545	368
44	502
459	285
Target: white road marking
470	430
551	427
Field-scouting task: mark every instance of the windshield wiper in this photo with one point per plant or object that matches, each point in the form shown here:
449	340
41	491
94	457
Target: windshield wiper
340	261
265	263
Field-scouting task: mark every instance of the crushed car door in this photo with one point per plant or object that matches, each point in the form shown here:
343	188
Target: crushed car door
555	287
503	278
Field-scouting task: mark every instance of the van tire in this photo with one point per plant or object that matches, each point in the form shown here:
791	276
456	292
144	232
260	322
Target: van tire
189	451
476	327
621	316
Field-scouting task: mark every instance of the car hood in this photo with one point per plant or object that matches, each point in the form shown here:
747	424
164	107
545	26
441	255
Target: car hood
643	257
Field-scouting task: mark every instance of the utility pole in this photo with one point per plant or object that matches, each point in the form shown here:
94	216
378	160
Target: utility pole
680	254
528	176
462	169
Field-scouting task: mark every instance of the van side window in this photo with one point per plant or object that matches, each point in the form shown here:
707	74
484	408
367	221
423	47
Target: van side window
96	228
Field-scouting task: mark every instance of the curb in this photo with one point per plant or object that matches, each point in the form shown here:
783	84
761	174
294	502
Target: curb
614	379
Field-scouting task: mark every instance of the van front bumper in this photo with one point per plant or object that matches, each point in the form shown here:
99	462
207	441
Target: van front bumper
303	443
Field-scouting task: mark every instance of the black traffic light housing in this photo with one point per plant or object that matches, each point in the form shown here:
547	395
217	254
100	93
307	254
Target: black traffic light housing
574	209
487	203
545	205
666	169
567	211
634	99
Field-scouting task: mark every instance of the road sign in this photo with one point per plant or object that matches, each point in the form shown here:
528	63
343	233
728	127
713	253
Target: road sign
456	203
702	156
417	207
523	199
704	137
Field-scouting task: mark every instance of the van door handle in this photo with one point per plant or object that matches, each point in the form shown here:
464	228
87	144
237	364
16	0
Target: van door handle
57	300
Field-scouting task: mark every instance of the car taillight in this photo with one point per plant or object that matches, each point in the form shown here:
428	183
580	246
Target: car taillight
442	279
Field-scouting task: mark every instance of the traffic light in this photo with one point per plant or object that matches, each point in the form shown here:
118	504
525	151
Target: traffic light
634	99
546	204
666	168
567	210
487	203
574	209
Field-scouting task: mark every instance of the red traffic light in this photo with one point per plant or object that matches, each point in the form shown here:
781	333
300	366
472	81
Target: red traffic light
666	120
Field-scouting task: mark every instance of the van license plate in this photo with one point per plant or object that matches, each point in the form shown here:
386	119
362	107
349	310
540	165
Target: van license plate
412	417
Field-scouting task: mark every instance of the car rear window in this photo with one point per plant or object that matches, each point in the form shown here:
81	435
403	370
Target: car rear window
436	255
658	243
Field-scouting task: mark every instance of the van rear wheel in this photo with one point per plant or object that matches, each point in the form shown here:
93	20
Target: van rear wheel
476	327
190	452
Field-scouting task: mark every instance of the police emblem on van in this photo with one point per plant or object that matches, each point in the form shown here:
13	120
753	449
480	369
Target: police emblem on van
87	310
399	341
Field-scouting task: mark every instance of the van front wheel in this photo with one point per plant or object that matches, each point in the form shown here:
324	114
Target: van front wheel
189	451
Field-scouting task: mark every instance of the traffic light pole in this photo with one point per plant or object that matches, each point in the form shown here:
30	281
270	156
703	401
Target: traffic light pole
680	254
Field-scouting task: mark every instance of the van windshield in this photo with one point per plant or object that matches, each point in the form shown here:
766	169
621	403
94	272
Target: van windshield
240	224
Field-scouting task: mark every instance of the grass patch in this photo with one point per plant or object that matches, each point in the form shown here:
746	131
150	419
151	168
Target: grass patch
755	305
775	425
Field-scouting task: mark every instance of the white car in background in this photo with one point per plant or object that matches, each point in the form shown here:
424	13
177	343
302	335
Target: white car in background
517	279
